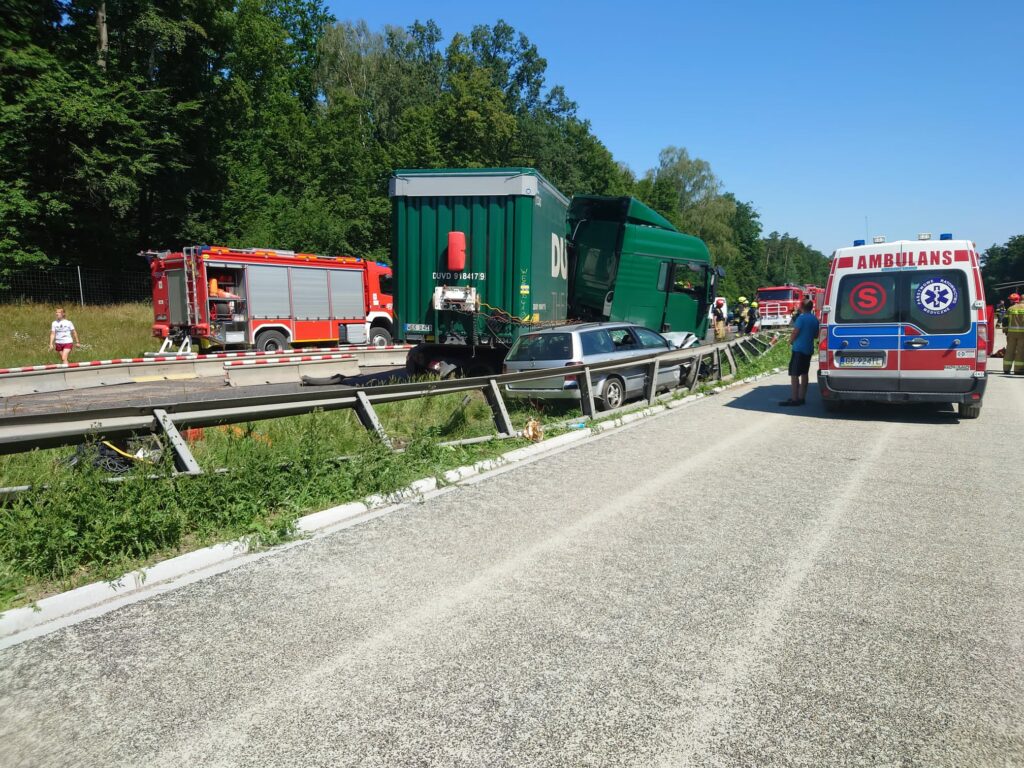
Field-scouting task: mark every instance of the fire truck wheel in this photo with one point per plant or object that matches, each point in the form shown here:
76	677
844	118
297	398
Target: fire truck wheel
271	341
379	337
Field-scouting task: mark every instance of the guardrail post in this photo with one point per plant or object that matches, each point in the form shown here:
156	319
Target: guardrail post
741	347
586	393
716	364
733	370
368	418
693	378
652	380
501	418
181	449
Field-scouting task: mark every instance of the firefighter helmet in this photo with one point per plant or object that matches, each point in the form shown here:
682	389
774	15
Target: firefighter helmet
753	303
1014	297
742	299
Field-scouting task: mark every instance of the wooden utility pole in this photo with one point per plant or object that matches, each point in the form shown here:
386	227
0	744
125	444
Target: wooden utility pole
101	35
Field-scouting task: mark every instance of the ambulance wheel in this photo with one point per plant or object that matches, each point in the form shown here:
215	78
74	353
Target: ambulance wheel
969	410
271	341
379	337
614	394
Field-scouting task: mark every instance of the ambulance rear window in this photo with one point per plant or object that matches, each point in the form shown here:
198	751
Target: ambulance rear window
939	301
868	298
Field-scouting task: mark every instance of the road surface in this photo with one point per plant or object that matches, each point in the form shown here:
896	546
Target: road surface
731	584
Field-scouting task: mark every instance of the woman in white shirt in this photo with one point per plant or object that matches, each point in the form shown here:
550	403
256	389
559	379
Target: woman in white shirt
63	335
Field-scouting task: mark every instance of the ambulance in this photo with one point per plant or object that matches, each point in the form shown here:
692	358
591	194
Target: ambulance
905	322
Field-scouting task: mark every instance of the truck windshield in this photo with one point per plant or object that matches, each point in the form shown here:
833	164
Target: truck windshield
777	294
541	346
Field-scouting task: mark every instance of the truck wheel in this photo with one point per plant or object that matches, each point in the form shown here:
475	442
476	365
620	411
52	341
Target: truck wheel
614	394
969	410
271	341
379	337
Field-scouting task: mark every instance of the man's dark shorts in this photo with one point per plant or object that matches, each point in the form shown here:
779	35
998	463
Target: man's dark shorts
799	364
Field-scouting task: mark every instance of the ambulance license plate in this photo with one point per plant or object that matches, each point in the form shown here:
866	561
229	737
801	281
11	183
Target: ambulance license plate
860	361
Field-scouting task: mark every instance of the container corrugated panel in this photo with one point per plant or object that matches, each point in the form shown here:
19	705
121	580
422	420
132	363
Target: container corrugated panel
515	226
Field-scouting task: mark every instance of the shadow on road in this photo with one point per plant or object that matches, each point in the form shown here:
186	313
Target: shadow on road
766	400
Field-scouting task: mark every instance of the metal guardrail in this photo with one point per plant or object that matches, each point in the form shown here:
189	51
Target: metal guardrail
24	433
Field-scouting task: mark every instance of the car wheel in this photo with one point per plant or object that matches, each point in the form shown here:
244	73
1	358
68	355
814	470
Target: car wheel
271	341
969	410
614	394
379	337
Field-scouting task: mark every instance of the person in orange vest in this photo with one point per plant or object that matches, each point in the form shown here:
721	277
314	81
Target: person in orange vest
1013	358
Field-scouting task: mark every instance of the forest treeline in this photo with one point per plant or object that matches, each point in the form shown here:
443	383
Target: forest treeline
136	124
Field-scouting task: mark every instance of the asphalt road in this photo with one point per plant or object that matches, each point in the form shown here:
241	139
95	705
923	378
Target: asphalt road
732	584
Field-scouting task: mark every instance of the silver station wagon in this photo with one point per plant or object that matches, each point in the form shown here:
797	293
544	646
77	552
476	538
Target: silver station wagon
586	343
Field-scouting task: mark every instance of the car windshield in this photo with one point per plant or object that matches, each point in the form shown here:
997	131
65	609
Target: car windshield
541	346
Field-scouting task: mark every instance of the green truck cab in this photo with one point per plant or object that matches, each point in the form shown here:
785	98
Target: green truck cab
628	263
482	255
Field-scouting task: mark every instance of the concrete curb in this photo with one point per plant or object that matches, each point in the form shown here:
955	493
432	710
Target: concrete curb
20	624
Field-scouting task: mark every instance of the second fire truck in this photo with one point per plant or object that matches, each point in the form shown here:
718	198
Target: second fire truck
212	296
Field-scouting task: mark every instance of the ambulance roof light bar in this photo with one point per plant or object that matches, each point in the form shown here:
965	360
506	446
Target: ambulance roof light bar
924	236
858	242
946	236
878	239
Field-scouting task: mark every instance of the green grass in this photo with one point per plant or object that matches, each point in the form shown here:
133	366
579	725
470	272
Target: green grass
120	330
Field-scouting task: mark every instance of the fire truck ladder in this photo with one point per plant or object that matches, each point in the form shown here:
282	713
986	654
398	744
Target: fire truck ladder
190	262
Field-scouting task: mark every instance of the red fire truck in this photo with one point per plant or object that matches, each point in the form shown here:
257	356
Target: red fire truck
776	304
268	299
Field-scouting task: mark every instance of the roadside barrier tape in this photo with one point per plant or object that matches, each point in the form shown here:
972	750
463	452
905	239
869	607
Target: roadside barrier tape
284	360
198	357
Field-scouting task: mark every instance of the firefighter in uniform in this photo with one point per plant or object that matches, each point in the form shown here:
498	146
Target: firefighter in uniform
742	314
718	313
1013	358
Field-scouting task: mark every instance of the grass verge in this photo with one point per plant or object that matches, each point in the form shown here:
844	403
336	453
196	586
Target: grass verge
119	330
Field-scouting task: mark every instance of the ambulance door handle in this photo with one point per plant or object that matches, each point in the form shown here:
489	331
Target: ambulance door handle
917	343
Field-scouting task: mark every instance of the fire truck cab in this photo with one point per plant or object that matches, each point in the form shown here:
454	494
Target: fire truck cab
267	299
905	321
777	305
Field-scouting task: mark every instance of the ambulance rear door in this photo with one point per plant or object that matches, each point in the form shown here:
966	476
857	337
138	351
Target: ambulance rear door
864	333
938	338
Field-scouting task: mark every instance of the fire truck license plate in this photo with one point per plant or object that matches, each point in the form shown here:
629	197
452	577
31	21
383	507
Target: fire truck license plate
859	361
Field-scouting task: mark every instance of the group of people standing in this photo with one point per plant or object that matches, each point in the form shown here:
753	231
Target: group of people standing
746	317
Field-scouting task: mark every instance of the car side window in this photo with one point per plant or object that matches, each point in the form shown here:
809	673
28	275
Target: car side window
622	339
596	343
650	340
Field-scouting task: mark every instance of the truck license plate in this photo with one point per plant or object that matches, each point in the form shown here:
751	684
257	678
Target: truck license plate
417	328
859	361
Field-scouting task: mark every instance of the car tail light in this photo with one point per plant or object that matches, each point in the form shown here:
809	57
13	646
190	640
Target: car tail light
571	378
982	345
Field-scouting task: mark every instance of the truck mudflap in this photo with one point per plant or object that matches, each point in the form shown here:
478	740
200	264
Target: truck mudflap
973	395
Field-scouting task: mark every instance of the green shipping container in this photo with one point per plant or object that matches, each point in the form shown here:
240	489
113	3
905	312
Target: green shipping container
514	273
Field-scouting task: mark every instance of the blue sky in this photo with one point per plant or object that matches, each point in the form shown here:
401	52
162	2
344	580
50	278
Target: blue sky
908	113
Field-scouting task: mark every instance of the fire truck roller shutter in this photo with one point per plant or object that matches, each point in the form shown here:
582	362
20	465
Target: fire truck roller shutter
347	294
268	292
176	296
309	294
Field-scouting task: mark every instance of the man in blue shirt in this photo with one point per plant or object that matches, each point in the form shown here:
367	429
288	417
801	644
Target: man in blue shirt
805	331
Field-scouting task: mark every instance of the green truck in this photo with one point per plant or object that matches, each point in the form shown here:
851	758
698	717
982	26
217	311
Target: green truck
483	255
